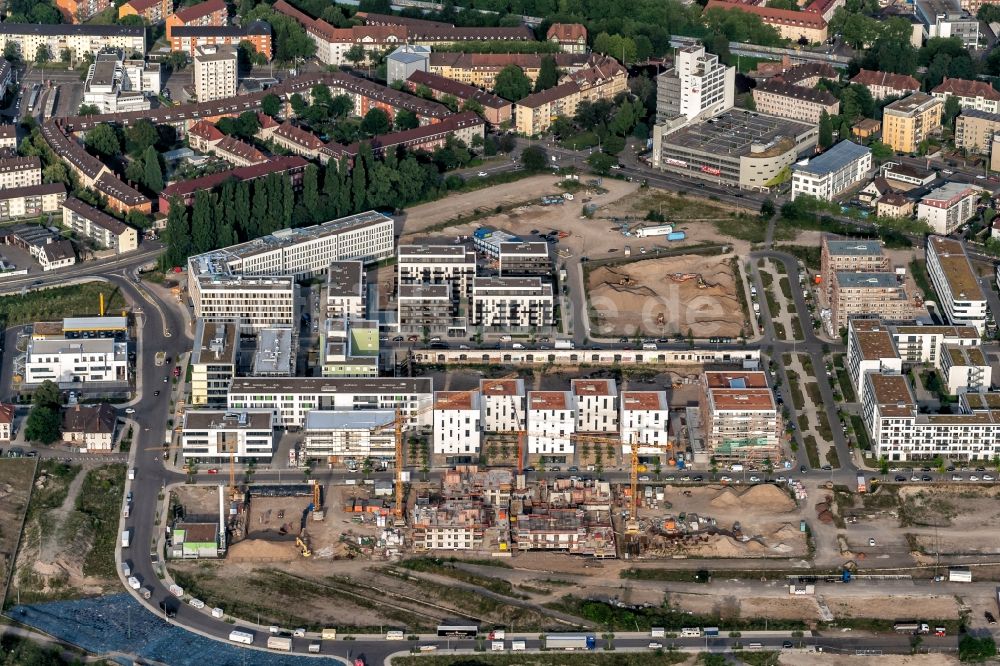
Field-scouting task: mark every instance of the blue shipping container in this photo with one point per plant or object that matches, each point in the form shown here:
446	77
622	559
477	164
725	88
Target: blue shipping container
676	235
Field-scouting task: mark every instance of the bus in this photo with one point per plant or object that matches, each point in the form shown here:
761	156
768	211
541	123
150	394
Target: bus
244	637
570	642
458	630
33	100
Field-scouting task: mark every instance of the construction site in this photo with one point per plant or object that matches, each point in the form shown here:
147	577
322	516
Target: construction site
666	297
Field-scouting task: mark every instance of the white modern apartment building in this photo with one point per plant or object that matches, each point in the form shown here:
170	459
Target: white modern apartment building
697	85
291	398
358	434
20	171
221	436
960	296
512	303
740	416
644	419
926	344
79	39
596	403
948	207
551	422
457	422
215	72
966	369
253	301
437	264
301	253
345	290
213	361
349	348
503	405
89	222
871	347
829	174
78	361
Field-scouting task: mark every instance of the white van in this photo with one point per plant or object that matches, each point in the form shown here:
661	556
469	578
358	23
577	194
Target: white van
517	646
517	345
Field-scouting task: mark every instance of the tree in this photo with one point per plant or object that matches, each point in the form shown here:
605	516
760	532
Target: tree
135	171
548	74
44	425
405	119
512	84
298	103
601	163
971	648
952	107
310	191
153	174
47	395
375	122
202	224
825	130
271	105
241	209
356	54
65	56
104	141
140	136
767	209
321	95
177	235
12	52
88	110
880	152
534	158
42	55
176	60
55	173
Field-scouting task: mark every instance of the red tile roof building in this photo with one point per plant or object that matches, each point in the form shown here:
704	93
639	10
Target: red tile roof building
886	84
571	37
791	24
291	165
978	95
211	12
152	11
495	109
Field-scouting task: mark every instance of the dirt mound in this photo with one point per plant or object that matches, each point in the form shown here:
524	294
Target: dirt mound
768	497
786	531
249	550
727	499
825	517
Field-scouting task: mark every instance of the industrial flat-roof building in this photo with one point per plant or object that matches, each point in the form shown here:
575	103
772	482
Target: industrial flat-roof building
738	148
213	361
829	174
77	361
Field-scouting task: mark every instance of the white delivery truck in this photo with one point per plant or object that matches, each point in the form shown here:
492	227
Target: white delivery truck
133	582
496	646
126	537
517	646
657	632
176	590
314	648
217	613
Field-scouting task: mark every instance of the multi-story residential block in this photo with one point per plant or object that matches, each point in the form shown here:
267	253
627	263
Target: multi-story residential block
863	256
215	72
972	95
80	11
894	205
288	166
871	347
790	101
829	174
808	74
551	422
151	11
465	126
740	416
213	361
512	304
20	172
358	434
299	253
224	436
457	422
965	369
481	69
293	139
868	293
437	264
946	18
534	113
344	293
405	61
959	294
791	24
90	428
596	404
697	85
496	110
503	405
908	121
886	84
349	348
524	259
925	344
205	137
291	398
643	421
974	131
451	524
948	207
188	38
31	200
89	222
571	37
76	361
8	132
79	39
430	308
255	301
275	354
209	13
120	197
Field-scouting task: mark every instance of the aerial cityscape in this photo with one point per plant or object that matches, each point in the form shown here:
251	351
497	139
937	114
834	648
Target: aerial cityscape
499	334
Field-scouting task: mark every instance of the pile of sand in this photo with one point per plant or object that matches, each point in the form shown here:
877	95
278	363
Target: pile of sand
786	531
768	498
727	499
249	550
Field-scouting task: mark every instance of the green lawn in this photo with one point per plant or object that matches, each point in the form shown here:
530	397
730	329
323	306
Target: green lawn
79	300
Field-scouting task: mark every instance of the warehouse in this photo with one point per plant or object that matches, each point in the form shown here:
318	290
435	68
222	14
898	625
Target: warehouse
738	148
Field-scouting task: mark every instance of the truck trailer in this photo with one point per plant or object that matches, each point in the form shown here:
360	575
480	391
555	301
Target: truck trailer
279	643
126	538
570	642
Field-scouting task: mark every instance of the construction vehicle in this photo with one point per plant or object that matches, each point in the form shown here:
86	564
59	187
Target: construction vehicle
303	547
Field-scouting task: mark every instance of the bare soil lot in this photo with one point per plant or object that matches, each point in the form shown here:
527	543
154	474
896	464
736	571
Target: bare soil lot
16	475
666	296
